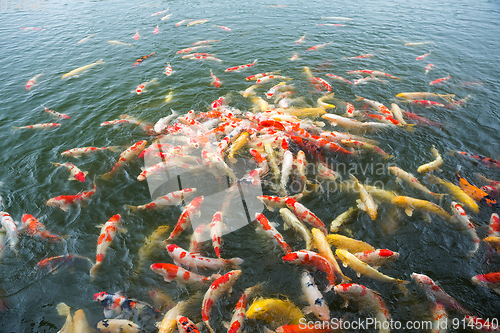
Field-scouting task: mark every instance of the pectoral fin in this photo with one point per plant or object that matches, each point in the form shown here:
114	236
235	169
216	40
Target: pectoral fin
409	211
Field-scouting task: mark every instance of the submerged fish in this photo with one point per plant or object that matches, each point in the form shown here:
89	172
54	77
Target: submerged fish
76	72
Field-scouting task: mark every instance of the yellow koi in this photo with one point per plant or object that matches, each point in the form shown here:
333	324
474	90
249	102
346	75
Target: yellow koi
434	165
349	244
324	105
366	203
342	218
82	69
410	204
456	192
325	250
239	143
275	311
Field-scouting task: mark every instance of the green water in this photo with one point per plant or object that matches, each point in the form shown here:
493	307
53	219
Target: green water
465	45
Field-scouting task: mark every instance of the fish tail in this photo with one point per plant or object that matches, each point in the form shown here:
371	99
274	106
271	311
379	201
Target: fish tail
410	127
94	270
132	209
63	309
115	148
15	128
439	195
449	97
106	176
433	179
208	326
100	61
401	282
358	98
235	262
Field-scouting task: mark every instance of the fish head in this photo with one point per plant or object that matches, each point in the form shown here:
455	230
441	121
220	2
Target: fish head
80	177
100	297
291	257
491	190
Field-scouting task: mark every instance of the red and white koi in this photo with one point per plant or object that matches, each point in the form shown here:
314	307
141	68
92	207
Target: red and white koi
271	77
377	258
494	227
166	17
261	75
223	27
331	24
338	78
459	103
180	275
156	30
272	202
37	126
259	159
363	56
428	68
295	57
192	55
182	22
30	28
279	87
57	114
426	103
54	263
318	47
168	70
314	260
137	36
64	201
108	233
185	219
301	39
367	299
197	22
373	73
204	57
172	199
35	228
159	13
239	315
217	288
490	280
461	221
32	82
241	67
321	82
365	145
436	293
11	228
195	244
379	107
185	325
77	152
195	260
286	170
423	56
142	87
216	232
439	81
128	155
351	123
206	42
189	49
305	215
317	304
272	233
76	174
215	80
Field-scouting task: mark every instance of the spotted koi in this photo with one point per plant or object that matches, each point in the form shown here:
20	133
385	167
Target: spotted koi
34	228
64	201
128	155
272	233
108	233
185	219
170	199
141	59
119	305
194	260
180	275
76	174
241	67
313	260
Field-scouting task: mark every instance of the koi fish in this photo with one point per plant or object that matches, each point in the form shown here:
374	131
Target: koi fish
412	181
36	126
78	152
185	218
374	74
286	169
366	80
362	268
305	215
331	24
53	264
494	226
182	22
317	47
217	288
351	123
57	114
456	192
364	56
141	59
295	57
35	228
186	326
428	68
473	191
142	87
76	72
423	56
461	220
317	304
425	95
239	315
197	22
365	145
379	107
276	311
410	204
189	49
118	325
271	77
158	13
11	228
31	28
180	275
338	78
439	81
272	202
434	165
418	43
152	244
437	294
261	75
128	155
486	161
421	120
396	111
241	67
216	232
194	260
119	305
459	103
490	280
377	258
366	202
301	39
108	233
170	199
64	201
314	260
166	17
86	39
342	218
272	233
222	27
32	82
76	174
368	300
156	30
215	80
137	36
